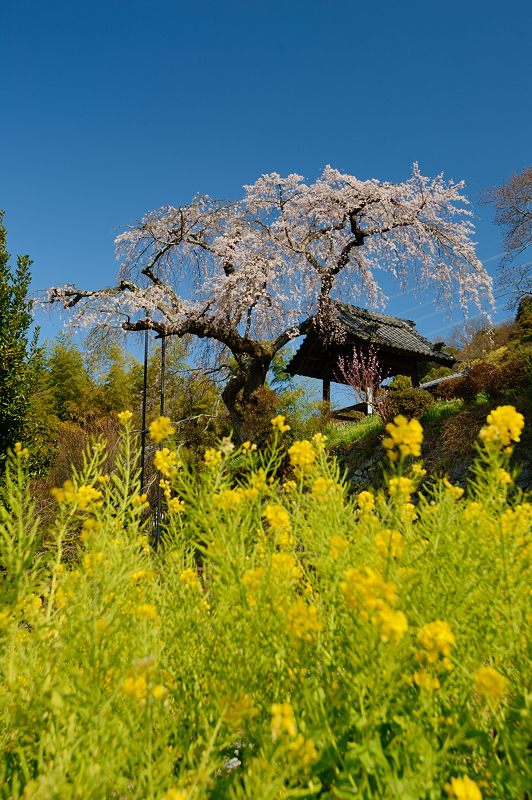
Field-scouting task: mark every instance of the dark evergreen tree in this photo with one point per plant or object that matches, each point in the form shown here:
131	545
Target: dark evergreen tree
20	356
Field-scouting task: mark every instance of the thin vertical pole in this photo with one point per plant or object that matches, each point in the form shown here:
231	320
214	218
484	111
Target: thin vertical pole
144	404
161	412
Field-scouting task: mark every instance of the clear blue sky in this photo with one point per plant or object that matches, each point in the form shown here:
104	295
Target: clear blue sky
111	109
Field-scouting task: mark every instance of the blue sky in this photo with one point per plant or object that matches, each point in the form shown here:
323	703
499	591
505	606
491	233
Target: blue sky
111	109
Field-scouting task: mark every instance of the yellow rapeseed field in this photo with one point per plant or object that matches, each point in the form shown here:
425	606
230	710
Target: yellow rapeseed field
284	640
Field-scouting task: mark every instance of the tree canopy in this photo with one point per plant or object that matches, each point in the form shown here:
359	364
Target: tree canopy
513	212
20	357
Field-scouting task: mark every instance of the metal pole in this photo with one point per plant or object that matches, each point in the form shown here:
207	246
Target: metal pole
144	403
161	412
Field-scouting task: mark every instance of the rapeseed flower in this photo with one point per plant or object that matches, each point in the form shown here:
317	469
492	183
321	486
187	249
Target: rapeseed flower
161	428
437	639
285	567
504	426
339	544
283	720
301	454
85	497
279	423
21	452
393	624
318	441
503	476
176	505
324	487
136	686
213	458
366	501
401	487
166	461
227	500
463	789
146	611
249	447
303	751
124	416
277	517
454	491
252	580
302	621
425	680
405	435
189	579
389	542
490	684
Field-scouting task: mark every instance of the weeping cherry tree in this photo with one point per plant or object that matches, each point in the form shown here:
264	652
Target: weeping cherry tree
255	273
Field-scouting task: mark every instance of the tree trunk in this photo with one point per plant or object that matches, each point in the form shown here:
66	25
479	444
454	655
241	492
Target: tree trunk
239	389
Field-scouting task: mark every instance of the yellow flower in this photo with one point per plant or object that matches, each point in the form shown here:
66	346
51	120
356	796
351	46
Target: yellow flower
161	428
454	491
85	497
189	579
140	501
159	691
324	487
285	567
302	750
176	505
389	542
20	452
404	435
463	789
279	423
504	476
146	611
490	683
301	454
425	680
436	638
393	624
227	500
166	461
365	501
249	447
318	440
504	426
277	517
283	720
401	487
252	580
213	458
302	621
472	511
176	794
124	416
136	686
338	545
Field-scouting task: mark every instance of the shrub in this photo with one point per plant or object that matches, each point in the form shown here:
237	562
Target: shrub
284	639
412	402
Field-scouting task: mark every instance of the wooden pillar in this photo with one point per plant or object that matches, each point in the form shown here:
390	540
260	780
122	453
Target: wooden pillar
326	396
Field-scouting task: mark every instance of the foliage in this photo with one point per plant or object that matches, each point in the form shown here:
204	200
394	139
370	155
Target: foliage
413	402
284	639
20	357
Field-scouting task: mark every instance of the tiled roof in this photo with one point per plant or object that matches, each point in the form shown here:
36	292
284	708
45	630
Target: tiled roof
380	329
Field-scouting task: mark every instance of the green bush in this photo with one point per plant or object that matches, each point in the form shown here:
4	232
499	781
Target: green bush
412	402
